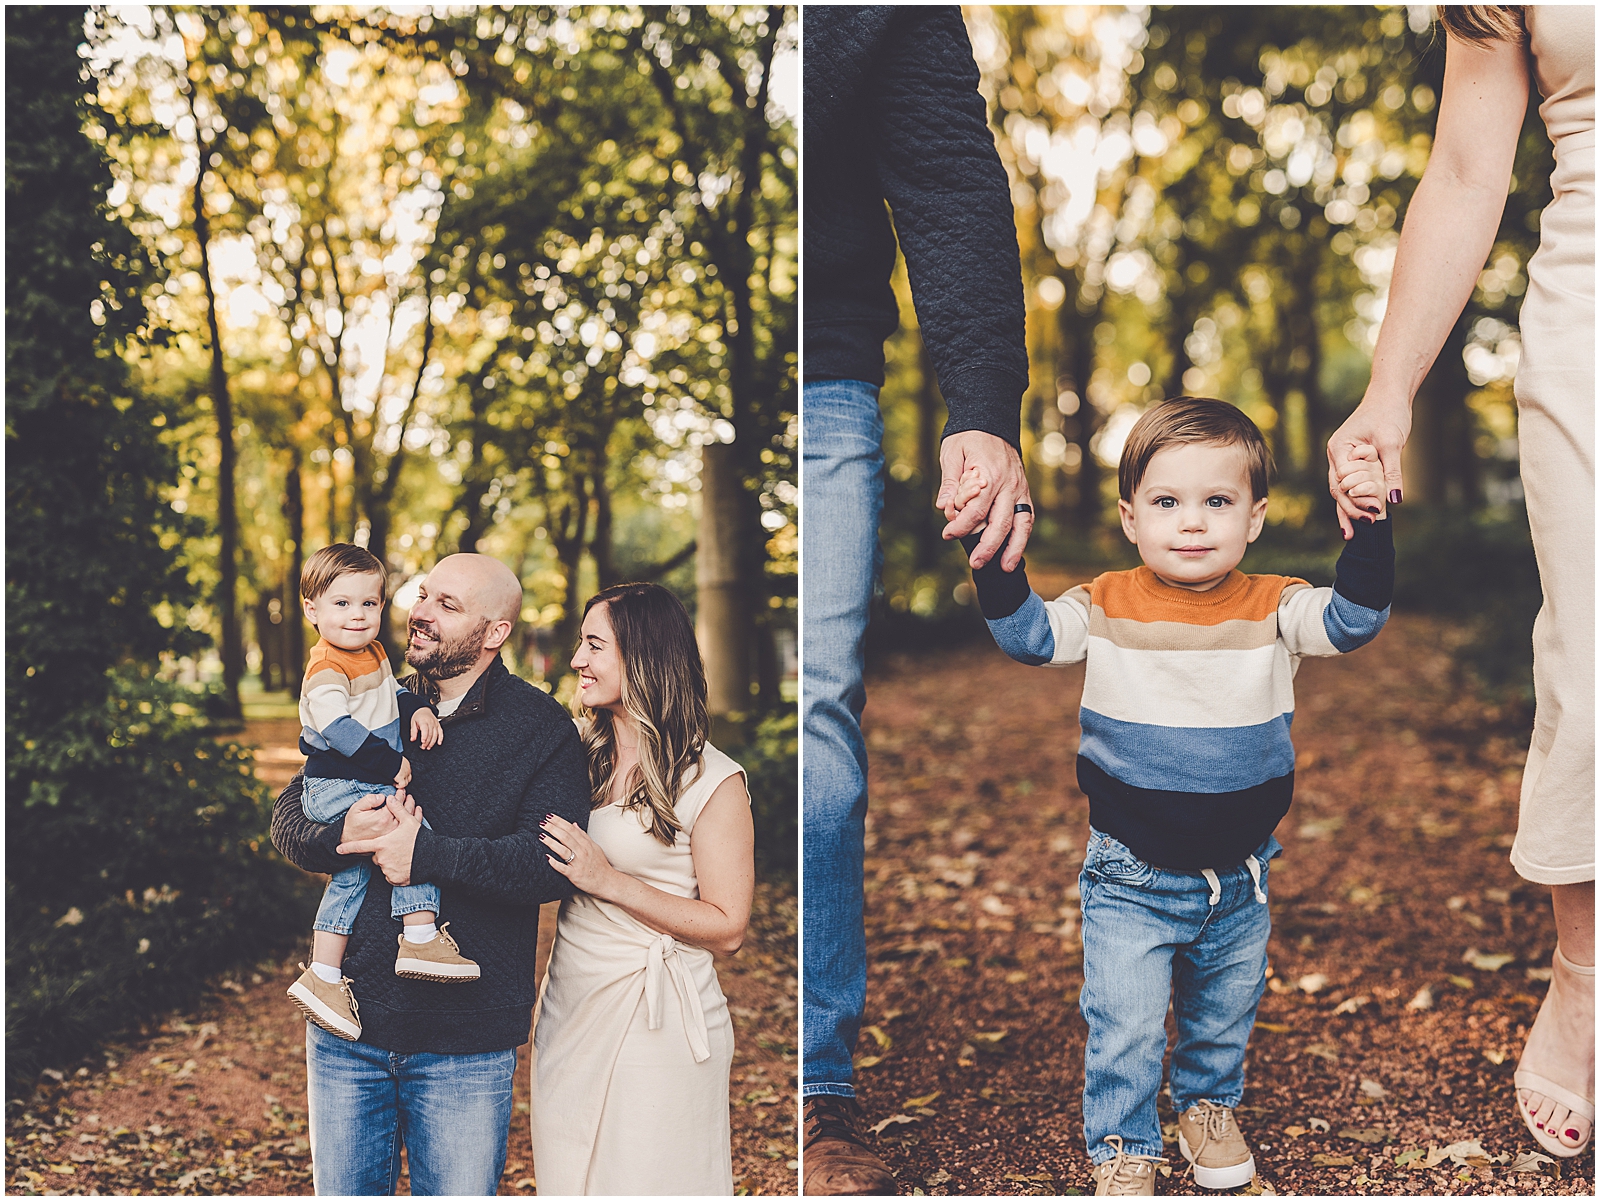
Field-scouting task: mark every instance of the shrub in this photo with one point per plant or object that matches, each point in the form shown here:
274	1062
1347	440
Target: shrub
139	865
771	762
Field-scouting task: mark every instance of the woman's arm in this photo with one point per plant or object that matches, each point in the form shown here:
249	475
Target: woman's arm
723	846
1448	232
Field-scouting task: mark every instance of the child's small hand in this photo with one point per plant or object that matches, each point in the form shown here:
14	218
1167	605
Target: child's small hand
426	731
970	487
1363	483
403	777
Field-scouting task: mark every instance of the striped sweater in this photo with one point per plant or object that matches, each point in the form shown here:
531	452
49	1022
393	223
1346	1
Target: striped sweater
1188	697
351	715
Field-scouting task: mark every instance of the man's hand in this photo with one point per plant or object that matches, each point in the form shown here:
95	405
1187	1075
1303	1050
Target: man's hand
1001	465
367	818
391	852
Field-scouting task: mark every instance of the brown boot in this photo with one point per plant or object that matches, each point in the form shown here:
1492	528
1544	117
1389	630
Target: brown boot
836	1162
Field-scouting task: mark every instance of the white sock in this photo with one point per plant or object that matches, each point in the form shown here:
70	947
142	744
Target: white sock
421	933
331	974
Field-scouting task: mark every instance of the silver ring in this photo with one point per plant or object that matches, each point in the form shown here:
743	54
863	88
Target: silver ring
1028	509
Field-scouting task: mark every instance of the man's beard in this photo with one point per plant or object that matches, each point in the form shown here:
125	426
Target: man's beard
444	660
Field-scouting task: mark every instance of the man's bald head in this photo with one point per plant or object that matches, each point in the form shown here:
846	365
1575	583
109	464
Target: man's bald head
488	585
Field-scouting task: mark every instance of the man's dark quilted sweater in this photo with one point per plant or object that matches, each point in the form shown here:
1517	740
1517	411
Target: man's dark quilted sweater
510	756
893	114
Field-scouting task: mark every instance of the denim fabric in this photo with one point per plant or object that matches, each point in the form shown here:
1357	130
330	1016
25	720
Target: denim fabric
1153	936
842	441
328	801
452	1113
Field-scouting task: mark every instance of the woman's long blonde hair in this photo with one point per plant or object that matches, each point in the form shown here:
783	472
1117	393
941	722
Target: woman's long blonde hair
663	691
1483	23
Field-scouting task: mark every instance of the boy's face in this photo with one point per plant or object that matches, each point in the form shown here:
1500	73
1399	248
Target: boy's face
1192	515
347	614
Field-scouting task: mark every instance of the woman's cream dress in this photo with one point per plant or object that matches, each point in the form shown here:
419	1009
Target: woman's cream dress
1555	414
632	1041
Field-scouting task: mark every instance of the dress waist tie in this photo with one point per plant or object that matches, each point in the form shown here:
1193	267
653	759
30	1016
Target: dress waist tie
662	960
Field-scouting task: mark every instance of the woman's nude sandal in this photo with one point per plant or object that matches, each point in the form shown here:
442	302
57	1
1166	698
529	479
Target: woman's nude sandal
1564	975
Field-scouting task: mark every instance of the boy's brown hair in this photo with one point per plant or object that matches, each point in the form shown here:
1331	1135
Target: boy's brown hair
342	558
1193	421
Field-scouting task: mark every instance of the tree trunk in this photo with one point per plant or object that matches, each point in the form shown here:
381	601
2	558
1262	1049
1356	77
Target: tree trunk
569	530
930	540
227	519
724	617
1077	332
294	622
1439	463
605	565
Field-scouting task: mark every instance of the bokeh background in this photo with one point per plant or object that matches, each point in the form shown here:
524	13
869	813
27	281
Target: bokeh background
514	280
1208	203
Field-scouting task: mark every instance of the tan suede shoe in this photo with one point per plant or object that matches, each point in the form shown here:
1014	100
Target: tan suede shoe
1126	1175
836	1162
437	959
331	1006
1210	1140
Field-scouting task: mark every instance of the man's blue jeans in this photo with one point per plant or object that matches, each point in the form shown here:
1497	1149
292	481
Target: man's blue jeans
842	443
1153	936
452	1113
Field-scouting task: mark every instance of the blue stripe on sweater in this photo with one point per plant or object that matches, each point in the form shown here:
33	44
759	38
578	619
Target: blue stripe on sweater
1350	625
1026	635
1173	758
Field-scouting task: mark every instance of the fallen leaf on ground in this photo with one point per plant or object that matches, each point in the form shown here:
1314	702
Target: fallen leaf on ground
939	1177
1486	963
1333	1161
1371	1088
925	1100
1530	1161
1318	1124
1423	999
1458	1153
1039	1178
1273	1027
1351	1004
894	1119
1496	1056
878	1036
1366	1134
1313	983
1324	1051
1295	1131
988	1037
862	1062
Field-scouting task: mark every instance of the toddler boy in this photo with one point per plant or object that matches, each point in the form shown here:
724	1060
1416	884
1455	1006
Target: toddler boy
352	713
1186	759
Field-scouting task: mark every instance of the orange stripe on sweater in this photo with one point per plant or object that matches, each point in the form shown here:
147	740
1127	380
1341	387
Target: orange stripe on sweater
1138	595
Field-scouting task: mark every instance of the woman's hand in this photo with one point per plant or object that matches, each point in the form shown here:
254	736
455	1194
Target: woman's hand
1379	424
577	856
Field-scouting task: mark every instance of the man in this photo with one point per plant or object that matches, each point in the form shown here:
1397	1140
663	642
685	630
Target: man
893	115
434	1065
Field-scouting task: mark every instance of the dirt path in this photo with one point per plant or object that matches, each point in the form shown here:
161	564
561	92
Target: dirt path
1408	959
214	1102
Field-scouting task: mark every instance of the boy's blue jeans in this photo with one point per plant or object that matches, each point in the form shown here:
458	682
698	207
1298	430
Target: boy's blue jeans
1153	936
328	801
842	445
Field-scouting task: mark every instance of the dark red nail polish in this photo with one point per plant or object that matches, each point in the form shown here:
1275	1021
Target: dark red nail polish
1394	496
1572	1134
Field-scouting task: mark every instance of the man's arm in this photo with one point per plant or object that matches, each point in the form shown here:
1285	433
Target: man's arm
951	201
307	844
514	869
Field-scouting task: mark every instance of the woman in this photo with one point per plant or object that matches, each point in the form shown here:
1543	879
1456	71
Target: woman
1449	230
632	1040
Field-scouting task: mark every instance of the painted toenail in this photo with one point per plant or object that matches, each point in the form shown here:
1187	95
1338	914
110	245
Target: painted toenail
1572	1134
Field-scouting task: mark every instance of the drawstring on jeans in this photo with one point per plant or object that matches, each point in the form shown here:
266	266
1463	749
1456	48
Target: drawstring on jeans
1253	865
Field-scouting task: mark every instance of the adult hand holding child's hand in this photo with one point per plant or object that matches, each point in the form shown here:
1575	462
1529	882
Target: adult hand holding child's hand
391	852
